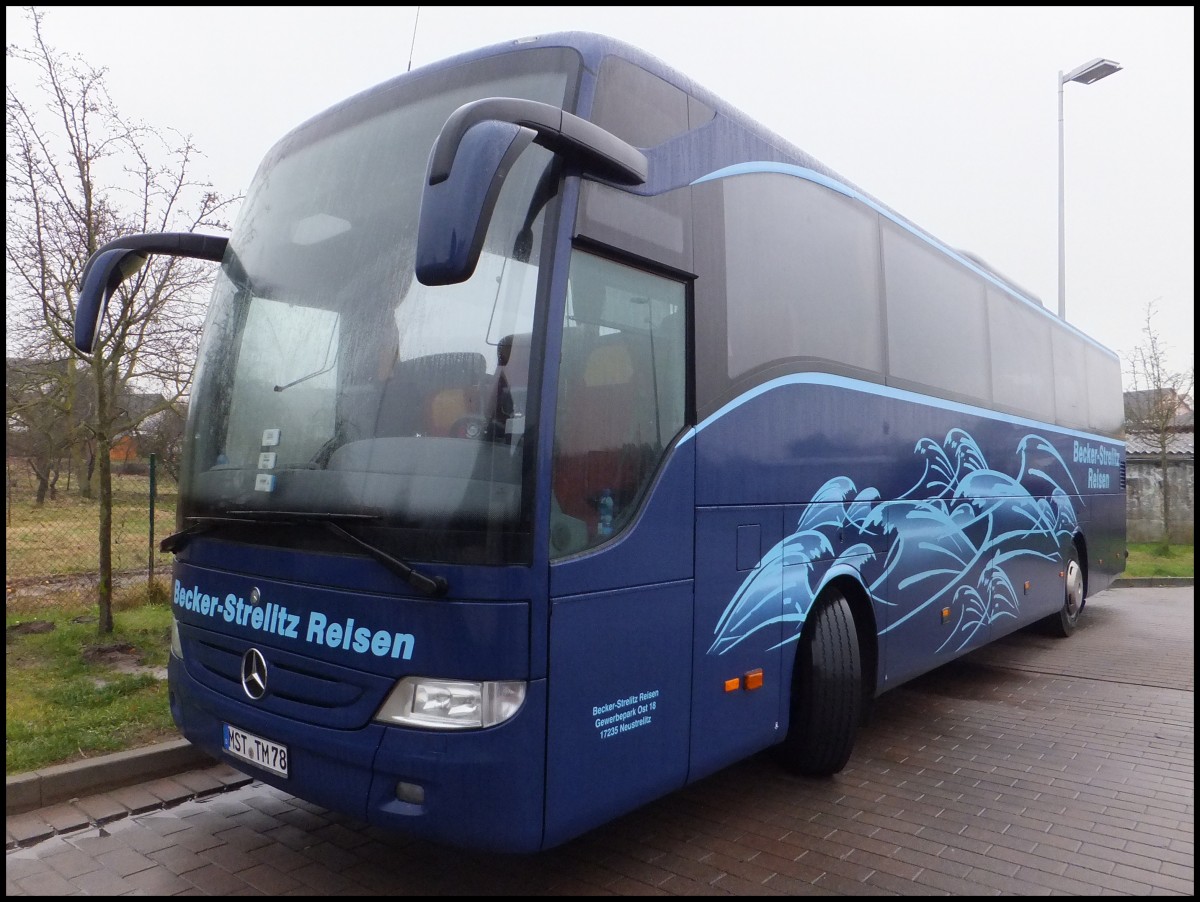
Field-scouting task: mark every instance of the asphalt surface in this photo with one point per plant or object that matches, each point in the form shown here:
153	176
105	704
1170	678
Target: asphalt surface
1032	766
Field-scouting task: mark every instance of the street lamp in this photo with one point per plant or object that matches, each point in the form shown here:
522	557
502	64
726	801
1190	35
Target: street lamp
1085	74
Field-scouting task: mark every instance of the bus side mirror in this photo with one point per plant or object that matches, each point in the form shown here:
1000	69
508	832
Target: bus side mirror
456	211
105	270
470	158
116	261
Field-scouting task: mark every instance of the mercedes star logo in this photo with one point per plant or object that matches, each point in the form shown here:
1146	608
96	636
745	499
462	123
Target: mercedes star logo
254	674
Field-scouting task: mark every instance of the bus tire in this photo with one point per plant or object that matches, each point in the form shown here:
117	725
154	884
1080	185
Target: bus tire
827	694
1065	622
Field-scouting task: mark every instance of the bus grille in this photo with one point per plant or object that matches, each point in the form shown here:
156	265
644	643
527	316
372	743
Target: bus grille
299	688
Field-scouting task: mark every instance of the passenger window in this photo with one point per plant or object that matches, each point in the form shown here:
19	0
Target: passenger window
621	396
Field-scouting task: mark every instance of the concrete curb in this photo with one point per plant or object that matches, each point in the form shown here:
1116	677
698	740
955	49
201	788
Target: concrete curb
1153	582
62	782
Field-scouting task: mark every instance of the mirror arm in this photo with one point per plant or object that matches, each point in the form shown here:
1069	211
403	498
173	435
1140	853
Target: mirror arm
117	260
556	129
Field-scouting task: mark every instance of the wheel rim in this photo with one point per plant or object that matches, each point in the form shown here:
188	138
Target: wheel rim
1074	589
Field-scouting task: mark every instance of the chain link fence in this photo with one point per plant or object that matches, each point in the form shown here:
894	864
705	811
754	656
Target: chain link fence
58	541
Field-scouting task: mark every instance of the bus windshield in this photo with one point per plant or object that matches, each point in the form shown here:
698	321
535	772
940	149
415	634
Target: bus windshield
332	384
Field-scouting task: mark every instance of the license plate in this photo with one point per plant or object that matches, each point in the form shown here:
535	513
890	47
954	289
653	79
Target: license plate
258	751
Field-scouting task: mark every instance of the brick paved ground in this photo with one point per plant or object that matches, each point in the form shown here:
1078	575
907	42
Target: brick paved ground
1035	766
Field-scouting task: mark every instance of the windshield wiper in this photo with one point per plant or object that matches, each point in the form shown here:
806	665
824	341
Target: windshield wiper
175	542
434	586
325	367
305	378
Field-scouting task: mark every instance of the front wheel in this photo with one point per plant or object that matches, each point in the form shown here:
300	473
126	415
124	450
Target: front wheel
827	694
1065	622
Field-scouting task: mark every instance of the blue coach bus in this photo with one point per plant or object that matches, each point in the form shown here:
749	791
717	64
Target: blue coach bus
561	436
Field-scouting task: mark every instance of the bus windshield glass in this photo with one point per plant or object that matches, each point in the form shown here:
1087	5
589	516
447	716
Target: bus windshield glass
332	384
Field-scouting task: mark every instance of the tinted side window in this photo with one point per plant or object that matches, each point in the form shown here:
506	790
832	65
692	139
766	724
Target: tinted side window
637	106
801	278
621	396
937	319
1106	412
1022	357
1070	379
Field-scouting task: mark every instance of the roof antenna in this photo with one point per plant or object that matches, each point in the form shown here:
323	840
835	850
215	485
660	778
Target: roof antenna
416	19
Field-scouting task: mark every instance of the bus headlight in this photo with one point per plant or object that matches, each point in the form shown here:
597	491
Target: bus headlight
176	645
451	704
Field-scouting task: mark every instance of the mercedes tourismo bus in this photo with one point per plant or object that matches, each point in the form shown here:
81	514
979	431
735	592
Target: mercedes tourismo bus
560	436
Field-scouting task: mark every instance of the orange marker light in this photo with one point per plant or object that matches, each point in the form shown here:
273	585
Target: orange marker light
754	679
733	685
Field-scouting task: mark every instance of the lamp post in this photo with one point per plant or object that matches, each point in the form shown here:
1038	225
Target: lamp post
1085	74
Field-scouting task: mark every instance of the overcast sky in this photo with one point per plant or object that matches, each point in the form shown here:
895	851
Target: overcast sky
948	115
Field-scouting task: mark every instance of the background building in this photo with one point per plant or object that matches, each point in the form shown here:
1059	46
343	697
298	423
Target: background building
1160	452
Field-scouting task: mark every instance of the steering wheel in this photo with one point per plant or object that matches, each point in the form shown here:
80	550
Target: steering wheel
470	426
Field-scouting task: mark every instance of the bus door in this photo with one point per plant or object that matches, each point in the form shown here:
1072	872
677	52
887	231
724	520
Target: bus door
621	521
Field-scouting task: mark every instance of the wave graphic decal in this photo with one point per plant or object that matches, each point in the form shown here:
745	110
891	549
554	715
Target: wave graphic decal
951	538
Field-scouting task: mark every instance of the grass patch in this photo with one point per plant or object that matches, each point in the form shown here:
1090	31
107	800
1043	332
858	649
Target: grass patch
1153	559
72	694
60	537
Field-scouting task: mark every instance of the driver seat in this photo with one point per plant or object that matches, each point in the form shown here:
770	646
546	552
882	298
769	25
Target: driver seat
429	395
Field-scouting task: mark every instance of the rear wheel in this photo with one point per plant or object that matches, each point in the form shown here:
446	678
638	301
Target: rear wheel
1066	620
827	694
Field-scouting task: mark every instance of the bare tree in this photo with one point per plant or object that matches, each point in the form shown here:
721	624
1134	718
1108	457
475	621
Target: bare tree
1155	408
38	405
78	175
